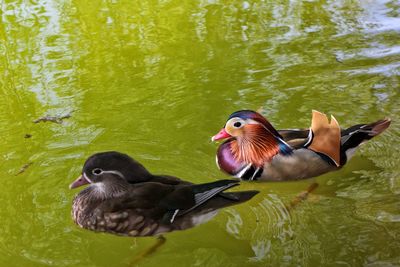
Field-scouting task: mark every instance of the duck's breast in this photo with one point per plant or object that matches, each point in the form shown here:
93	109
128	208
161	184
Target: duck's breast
226	160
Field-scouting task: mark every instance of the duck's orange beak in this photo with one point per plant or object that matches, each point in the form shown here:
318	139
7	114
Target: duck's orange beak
78	182
221	135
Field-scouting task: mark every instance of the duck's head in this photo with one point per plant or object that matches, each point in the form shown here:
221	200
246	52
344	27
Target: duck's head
243	123
251	138
111	165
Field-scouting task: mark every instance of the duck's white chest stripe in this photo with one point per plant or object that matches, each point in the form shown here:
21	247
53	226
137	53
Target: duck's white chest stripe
243	171
254	174
250	172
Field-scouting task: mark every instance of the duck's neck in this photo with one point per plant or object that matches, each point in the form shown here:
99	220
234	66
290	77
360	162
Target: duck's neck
103	191
256	146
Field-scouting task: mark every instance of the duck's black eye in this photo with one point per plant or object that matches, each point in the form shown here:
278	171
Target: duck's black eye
237	124
97	171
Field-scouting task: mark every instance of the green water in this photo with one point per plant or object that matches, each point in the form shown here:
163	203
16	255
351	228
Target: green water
156	79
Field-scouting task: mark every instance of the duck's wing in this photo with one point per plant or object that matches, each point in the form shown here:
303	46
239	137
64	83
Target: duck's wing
169	180
296	138
188	198
323	137
149	206
163	202
136	212
334	144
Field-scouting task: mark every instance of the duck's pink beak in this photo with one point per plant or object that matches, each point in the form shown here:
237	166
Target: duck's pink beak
78	182
221	135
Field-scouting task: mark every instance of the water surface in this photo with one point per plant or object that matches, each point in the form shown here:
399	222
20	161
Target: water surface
156	79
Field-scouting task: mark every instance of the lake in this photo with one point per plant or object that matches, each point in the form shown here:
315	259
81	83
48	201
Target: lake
156	79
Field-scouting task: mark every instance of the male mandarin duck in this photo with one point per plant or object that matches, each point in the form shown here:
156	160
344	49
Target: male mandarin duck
123	198
255	150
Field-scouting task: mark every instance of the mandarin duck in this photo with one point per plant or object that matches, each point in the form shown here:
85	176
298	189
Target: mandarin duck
123	198
255	150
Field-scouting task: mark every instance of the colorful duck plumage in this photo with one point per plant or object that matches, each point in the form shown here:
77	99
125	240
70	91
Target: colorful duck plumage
255	150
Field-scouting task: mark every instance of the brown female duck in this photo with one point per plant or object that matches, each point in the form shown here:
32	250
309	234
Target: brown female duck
255	150
123	198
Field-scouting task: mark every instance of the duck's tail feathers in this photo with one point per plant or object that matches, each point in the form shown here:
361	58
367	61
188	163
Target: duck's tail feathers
356	135
239	197
226	199
214	190
378	126
211	195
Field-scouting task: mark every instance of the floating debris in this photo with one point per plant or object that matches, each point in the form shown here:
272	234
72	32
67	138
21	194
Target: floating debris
23	168
27	136
338	59
55	119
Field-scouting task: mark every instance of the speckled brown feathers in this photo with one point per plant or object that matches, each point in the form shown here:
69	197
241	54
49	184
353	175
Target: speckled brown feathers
117	203
104	216
150	208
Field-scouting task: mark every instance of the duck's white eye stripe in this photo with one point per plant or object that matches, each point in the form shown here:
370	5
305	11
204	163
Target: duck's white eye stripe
251	121
116	173
236	122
